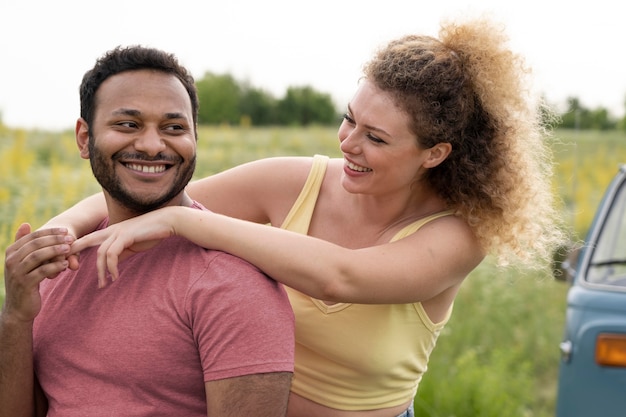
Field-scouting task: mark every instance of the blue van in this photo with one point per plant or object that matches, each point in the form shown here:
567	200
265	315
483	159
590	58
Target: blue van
592	373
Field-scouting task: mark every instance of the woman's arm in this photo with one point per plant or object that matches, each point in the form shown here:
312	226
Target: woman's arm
416	268
260	191
83	217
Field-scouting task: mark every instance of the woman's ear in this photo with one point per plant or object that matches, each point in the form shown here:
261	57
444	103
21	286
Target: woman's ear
438	154
82	137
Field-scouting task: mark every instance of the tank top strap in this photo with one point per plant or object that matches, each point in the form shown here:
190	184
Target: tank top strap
415	226
299	217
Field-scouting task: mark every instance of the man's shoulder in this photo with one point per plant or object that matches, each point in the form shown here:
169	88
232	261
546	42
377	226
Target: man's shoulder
183	254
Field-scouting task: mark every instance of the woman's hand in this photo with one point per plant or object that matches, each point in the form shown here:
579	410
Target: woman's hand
120	240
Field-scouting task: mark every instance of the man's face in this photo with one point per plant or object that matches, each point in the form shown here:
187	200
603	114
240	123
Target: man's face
142	145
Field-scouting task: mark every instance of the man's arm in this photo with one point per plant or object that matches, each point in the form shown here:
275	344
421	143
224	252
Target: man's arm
259	395
41	402
20	393
16	368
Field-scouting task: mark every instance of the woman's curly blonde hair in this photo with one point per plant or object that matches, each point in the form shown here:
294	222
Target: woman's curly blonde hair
468	89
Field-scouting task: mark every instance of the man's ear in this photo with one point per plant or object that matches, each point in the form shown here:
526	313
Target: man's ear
82	137
438	154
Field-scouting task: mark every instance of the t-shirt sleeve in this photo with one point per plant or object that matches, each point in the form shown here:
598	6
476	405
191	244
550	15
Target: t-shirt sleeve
241	320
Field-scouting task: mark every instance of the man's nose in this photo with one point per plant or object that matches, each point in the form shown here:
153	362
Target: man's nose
150	142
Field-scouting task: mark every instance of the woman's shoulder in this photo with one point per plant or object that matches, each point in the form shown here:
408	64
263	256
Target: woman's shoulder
287	169
278	164
295	162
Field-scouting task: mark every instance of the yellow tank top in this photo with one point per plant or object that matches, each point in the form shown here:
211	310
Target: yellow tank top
356	356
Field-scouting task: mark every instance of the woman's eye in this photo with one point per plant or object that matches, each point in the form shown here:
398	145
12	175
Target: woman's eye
375	139
348	119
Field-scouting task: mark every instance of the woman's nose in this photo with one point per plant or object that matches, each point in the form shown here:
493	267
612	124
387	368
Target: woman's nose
350	143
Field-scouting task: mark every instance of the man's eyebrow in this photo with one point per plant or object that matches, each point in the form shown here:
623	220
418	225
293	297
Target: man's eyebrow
134	112
174	116
126	112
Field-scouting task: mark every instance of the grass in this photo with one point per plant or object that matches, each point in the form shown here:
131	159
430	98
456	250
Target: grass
498	356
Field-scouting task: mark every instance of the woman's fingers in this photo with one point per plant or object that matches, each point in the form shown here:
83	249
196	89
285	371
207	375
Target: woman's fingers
121	239
92	239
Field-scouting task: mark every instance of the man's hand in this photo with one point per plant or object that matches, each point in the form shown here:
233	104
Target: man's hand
31	259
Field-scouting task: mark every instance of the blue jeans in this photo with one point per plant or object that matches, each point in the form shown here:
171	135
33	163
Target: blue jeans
409	412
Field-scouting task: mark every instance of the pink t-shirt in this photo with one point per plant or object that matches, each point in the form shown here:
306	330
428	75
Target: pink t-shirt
143	346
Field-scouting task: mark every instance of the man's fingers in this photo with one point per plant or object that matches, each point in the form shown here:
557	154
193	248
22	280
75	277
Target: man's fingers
49	270
31	252
22	231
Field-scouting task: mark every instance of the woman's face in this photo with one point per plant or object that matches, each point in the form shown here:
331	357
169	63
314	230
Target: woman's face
381	153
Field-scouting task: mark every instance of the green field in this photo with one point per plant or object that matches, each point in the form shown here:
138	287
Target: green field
499	354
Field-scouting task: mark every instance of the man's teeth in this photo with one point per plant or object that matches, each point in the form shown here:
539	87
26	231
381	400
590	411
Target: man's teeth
149	169
357	167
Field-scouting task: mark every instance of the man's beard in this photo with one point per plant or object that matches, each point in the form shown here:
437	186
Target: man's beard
104	172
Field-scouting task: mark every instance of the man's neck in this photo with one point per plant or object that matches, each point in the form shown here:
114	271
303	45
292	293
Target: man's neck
118	213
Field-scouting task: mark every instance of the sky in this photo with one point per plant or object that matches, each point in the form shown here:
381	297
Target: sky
46	46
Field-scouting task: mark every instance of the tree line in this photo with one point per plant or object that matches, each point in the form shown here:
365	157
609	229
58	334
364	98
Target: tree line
579	117
226	100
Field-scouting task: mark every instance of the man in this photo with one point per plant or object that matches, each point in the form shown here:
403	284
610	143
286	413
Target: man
184	331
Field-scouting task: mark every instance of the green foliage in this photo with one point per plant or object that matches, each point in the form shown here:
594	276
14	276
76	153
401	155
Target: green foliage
219	97
578	117
498	354
259	106
304	106
224	100
586	161
223	147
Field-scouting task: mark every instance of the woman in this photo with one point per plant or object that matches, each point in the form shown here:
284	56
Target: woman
444	163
